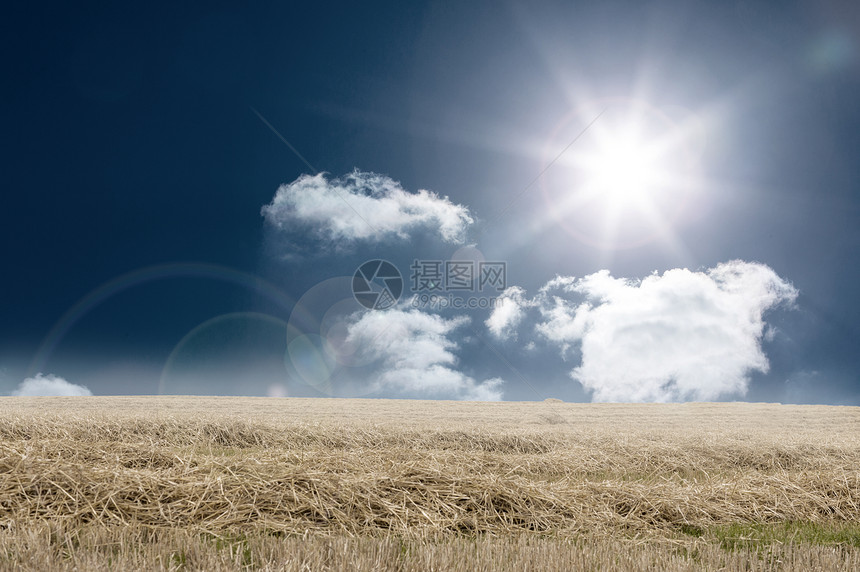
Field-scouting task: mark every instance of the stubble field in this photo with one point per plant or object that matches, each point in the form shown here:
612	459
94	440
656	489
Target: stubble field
324	484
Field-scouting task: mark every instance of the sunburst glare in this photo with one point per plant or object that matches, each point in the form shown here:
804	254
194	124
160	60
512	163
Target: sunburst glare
628	180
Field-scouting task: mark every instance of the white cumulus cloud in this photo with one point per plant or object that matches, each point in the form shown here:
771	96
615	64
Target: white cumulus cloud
682	335
49	385
415	356
508	311
363	206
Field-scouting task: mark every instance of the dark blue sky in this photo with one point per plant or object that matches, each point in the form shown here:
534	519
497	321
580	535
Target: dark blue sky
129	141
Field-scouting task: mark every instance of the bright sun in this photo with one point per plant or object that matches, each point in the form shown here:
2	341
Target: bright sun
623	171
627	180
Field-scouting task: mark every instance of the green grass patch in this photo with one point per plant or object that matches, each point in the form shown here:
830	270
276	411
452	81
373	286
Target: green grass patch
691	530
740	536
237	545
178	561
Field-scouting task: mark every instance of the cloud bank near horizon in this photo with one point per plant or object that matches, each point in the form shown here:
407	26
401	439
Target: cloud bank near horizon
49	386
414	355
678	336
362	206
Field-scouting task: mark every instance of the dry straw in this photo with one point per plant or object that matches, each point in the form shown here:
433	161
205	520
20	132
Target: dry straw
419	471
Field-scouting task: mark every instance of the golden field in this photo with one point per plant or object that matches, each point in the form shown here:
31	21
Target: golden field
200	483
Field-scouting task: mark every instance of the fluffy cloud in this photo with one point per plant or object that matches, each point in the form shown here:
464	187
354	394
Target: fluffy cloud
508	312
678	336
49	385
362	206
415	356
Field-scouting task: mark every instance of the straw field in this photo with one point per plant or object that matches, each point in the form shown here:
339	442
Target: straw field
184	483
